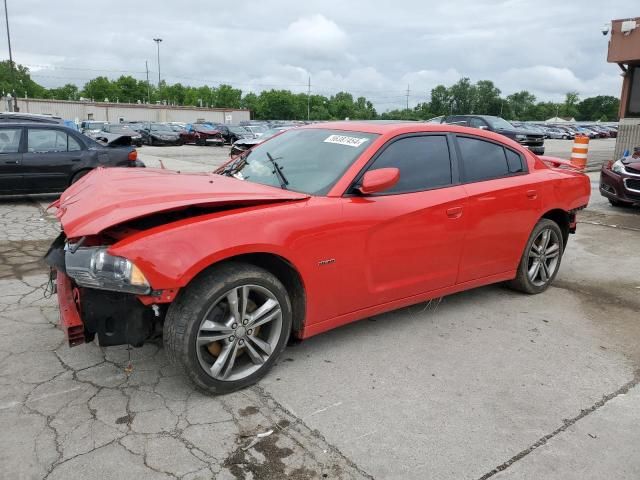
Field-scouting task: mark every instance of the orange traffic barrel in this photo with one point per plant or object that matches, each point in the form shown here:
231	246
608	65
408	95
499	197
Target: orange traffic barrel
579	152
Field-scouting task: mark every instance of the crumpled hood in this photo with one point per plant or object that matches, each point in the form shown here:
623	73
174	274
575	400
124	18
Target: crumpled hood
110	196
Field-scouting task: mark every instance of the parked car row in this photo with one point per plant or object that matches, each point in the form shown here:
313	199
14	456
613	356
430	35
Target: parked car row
568	131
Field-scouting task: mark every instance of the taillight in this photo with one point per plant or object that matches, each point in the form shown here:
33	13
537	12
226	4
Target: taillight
133	155
609	164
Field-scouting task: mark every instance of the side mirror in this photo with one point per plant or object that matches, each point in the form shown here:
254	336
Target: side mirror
379	180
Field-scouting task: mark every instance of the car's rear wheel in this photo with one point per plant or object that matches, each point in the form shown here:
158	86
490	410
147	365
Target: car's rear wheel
78	175
228	327
540	261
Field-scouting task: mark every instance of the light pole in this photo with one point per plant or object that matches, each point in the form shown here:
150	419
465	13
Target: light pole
14	106
157	40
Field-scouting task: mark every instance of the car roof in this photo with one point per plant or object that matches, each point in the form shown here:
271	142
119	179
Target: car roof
390	127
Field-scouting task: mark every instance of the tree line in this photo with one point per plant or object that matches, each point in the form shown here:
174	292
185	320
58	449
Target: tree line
463	97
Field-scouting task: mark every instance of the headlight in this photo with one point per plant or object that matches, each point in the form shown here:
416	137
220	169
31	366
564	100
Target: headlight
93	267
618	167
521	137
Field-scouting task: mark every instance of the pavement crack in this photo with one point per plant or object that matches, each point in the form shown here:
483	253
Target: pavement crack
566	424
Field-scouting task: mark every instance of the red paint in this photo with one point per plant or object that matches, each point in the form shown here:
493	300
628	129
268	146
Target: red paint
379	180
389	250
70	321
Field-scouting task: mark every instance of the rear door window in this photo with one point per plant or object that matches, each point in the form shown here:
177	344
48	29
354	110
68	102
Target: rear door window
45	141
483	160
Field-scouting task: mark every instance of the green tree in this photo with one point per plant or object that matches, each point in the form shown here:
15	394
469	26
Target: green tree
463	96
66	92
276	104
23	86
488	101
521	104
569	108
602	107
100	89
440	103
341	106
225	96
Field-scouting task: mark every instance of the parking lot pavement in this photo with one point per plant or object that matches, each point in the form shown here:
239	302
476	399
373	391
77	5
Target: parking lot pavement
484	384
600	150
186	158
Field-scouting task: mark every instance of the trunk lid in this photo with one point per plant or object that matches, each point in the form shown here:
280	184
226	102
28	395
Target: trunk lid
110	196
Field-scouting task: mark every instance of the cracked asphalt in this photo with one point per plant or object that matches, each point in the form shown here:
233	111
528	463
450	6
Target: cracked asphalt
484	384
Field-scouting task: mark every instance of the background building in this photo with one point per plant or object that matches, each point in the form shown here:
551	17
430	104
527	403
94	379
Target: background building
116	112
624	49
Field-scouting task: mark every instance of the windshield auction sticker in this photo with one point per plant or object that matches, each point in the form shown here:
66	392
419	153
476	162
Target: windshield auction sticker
345	140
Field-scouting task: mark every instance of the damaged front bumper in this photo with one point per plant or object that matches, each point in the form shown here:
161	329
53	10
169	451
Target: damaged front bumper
116	318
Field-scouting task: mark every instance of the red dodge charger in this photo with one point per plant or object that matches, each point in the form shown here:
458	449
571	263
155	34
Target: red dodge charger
315	228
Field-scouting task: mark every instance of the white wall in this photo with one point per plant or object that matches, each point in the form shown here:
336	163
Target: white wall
130	112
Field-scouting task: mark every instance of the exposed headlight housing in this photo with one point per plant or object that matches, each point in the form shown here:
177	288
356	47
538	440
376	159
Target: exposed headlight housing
617	166
519	136
93	267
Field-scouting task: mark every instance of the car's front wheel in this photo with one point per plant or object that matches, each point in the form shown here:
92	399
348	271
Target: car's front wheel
228	327
540	261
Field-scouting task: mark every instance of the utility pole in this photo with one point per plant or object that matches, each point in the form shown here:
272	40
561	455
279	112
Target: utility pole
158	40
146	66
14	106
309	100
408	91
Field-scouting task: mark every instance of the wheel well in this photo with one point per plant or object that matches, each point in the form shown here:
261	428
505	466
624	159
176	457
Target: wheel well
290	278
561	218
82	172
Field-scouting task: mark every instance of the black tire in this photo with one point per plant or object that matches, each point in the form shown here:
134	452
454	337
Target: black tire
523	282
78	175
186	313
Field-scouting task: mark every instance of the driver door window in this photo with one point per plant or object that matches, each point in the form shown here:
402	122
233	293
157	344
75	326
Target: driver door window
423	162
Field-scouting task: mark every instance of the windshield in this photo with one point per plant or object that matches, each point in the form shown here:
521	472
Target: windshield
161	128
312	160
498	123
256	128
95	125
239	130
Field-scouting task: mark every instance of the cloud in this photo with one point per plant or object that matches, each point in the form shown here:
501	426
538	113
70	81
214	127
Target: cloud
314	36
367	47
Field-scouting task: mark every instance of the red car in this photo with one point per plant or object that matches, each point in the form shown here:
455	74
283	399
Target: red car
310	230
201	134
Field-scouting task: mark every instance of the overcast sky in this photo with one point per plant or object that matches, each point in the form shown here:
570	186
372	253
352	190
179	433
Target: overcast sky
370	48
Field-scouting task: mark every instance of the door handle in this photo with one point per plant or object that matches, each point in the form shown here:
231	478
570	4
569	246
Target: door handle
11	162
532	194
76	159
454	212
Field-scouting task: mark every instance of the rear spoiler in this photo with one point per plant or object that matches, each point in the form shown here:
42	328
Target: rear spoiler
559	163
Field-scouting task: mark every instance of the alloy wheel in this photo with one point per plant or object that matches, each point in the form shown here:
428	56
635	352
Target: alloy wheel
544	257
239	333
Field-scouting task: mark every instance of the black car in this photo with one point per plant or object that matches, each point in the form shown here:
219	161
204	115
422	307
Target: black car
159	134
123	130
47	158
534	141
232	133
